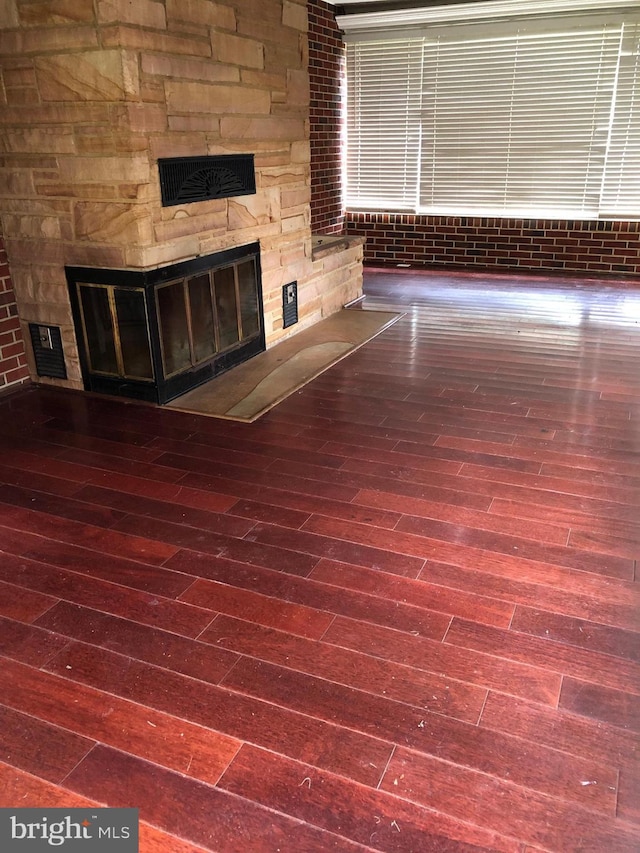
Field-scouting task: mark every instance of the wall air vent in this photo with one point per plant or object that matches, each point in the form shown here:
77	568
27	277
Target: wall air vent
187	179
47	351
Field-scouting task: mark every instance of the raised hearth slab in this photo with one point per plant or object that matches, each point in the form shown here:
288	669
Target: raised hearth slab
252	388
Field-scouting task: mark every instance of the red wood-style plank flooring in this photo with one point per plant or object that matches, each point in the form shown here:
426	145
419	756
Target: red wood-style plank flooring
397	613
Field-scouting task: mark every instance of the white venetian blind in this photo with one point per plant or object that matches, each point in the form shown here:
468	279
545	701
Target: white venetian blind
535	117
384	82
621	180
517	124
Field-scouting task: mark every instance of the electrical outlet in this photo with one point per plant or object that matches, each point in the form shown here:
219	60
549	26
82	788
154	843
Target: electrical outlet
290	304
44	336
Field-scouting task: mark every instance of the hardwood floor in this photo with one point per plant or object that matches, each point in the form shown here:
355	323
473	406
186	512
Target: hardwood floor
400	612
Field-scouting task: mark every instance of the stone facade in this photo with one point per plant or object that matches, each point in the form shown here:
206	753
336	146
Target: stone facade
95	91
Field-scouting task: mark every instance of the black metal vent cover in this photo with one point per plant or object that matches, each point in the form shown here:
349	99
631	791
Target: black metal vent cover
188	179
47	350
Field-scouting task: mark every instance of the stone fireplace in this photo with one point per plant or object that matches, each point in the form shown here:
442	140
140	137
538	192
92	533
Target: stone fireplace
96	95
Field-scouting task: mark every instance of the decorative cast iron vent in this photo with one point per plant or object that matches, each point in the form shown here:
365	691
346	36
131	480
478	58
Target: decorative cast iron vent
188	179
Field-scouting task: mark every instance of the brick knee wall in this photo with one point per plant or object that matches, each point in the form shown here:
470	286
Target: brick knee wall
599	248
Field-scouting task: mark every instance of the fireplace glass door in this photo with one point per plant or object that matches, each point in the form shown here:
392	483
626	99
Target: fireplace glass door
205	314
116	331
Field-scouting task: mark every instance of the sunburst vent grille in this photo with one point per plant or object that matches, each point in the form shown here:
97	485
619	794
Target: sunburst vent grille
184	180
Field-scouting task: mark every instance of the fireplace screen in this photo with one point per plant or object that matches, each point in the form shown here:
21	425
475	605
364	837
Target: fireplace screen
155	335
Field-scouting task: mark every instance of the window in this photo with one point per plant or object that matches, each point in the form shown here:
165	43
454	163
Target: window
530	116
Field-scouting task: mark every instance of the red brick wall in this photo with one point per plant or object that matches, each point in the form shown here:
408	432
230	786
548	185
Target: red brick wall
536	245
13	360
326	70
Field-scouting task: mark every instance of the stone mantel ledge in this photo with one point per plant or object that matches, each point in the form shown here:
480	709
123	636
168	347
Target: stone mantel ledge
329	244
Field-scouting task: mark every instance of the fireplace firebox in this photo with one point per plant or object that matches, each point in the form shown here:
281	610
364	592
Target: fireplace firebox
156	334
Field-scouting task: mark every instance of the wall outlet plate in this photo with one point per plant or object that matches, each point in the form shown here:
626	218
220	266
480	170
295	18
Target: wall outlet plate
290	304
